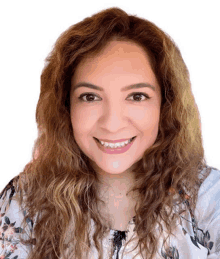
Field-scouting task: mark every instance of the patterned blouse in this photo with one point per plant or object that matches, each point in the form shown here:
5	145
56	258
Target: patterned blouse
197	235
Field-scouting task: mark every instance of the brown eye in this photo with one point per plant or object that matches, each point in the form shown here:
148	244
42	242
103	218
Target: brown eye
139	96
87	99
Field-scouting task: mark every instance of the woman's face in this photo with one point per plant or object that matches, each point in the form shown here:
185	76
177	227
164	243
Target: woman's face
114	113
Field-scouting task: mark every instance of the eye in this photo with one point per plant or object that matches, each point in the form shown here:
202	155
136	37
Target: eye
91	96
86	94
140	94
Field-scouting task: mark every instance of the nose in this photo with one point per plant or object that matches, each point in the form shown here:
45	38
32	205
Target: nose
114	117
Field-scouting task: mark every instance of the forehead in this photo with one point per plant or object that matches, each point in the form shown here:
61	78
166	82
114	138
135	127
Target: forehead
121	49
117	61
115	52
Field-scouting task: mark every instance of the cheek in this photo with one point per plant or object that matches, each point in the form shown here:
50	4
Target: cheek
149	127
83	117
150	132
147	119
80	120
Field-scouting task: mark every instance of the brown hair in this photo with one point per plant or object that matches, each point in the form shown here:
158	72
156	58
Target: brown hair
60	185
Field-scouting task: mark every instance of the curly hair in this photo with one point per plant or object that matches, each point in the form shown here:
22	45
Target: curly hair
60	185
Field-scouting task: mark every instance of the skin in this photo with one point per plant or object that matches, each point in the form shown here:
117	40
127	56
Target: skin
113	114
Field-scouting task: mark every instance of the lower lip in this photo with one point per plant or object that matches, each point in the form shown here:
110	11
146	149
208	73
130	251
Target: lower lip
118	150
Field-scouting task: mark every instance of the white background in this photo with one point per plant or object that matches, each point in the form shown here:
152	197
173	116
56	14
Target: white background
28	30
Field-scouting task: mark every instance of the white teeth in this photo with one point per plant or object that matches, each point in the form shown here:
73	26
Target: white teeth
115	145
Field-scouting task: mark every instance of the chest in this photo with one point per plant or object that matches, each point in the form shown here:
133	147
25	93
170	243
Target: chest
119	210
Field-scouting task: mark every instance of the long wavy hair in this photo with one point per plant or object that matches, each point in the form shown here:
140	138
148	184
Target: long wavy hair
58	187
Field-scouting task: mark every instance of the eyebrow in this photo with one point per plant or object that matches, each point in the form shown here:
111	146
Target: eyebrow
126	88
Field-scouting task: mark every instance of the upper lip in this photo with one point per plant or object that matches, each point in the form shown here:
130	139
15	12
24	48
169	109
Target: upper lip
114	141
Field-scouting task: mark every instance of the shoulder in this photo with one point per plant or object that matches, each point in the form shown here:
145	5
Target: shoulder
207	213
209	192
11	217
8	192
211	182
9	201
209	195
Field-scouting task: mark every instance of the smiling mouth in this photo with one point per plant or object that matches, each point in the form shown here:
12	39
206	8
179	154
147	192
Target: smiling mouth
131	139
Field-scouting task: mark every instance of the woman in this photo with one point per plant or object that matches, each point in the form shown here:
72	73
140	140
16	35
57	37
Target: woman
118	167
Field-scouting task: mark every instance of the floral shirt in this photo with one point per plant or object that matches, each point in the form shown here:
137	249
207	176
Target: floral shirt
197	235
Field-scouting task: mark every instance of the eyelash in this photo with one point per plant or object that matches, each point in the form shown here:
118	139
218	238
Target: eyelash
136	93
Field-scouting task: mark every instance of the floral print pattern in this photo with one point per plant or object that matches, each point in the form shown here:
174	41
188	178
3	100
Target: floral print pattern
8	237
